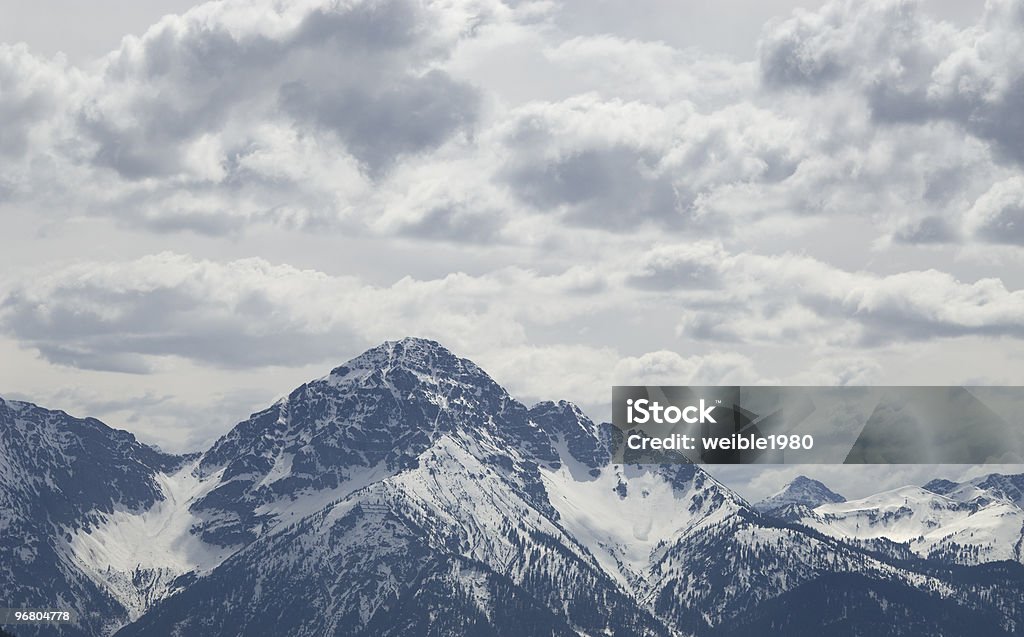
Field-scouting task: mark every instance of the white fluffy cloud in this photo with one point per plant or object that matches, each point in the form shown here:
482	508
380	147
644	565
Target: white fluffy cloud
249	312
998	215
570	208
30	96
122	316
368	117
910	67
917	73
756	298
245	112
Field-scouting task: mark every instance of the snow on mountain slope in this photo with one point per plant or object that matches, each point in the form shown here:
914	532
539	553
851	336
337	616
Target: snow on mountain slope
410	432
626	514
932	525
358	558
137	554
406	487
994	486
714	573
153	545
379	411
61	475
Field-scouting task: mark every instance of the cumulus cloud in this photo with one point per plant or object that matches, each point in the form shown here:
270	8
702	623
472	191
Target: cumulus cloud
190	76
117	316
369	117
748	297
618	165
913	71
998	215
241	113
31	93
249	312
124	316
570	208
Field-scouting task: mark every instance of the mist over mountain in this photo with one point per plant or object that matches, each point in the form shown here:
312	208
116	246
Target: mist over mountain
406	492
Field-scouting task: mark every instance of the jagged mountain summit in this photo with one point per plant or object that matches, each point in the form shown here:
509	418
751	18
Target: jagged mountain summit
800	492
407	492
366	420
983	490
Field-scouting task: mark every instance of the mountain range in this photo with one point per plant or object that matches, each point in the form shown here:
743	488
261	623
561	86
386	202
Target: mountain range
406	492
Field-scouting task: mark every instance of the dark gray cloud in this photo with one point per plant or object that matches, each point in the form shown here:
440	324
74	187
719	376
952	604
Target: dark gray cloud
119	319
696	266
456	223
909	67
994	120
413	114
611	188
361	70
620	165
1006	226
926	230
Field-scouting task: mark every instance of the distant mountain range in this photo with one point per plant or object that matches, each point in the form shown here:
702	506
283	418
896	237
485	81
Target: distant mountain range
406	493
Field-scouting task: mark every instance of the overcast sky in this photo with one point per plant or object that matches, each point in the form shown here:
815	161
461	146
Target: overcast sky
204	207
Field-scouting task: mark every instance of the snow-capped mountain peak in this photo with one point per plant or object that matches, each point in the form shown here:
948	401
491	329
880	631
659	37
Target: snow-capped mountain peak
376	413
994	486
801	491
406	484
931	524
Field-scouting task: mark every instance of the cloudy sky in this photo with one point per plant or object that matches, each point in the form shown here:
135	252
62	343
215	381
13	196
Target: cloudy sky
204	205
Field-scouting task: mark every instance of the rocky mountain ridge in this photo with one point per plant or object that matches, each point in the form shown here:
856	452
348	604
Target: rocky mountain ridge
407	492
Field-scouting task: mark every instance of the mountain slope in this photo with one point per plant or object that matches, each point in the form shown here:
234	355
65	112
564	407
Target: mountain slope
800	492
61	475
930	524
357	559
367	419
407	492
455	485
851	605
994	486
